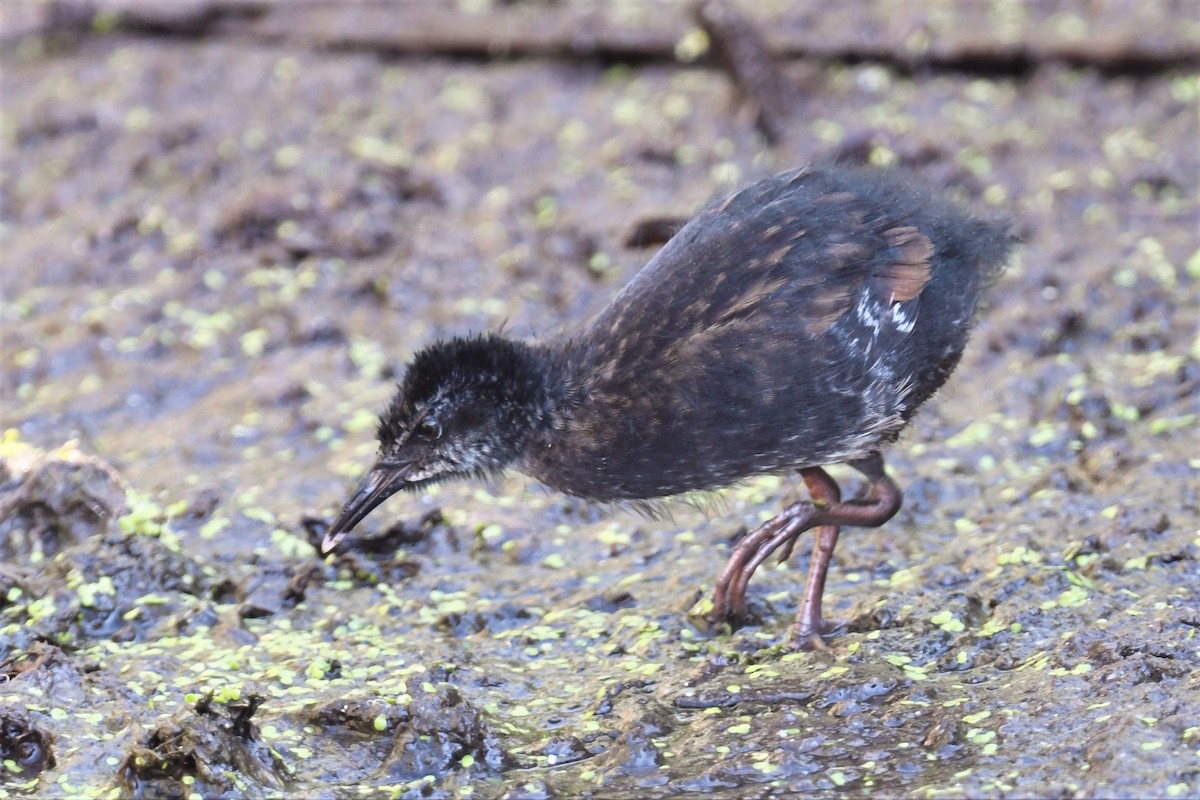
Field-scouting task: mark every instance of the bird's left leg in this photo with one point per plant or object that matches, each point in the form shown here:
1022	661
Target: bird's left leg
729	598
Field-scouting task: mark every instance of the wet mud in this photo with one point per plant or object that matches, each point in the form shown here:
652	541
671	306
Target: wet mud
224	230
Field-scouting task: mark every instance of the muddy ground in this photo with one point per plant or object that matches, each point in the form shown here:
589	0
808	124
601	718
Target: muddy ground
225	226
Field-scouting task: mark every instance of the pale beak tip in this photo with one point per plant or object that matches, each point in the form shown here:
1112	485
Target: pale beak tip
330	541
383	481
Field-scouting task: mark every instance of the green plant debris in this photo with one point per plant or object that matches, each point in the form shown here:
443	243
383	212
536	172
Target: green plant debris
1073	597
1019	555
88	591
1078	669
1136	563
948	622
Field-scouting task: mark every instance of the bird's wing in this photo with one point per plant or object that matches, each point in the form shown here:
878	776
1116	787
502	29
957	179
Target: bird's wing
797	239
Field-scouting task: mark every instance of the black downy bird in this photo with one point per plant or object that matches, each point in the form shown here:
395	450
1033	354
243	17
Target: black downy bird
798	323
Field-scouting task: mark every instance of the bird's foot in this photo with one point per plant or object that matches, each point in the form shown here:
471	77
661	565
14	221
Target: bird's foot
811	636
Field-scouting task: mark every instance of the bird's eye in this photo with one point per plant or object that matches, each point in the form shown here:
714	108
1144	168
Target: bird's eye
430	428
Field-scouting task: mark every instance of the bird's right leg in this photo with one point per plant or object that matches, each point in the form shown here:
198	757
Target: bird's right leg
880	505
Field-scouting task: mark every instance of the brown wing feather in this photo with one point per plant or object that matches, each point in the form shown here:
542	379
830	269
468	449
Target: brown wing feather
905	277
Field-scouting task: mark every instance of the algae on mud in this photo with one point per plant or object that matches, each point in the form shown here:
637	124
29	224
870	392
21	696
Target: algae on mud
217	253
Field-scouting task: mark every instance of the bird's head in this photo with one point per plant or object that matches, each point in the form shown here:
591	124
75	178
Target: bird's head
465	407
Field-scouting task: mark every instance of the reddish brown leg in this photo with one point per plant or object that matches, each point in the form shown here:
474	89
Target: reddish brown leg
823	490
810	626
729	598
880	505
827	515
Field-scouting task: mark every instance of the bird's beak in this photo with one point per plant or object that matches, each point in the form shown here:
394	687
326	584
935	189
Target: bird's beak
383	481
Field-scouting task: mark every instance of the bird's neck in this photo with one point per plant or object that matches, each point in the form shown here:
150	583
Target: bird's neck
535	396
552	390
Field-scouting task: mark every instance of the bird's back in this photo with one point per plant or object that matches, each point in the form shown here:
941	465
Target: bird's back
801	321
